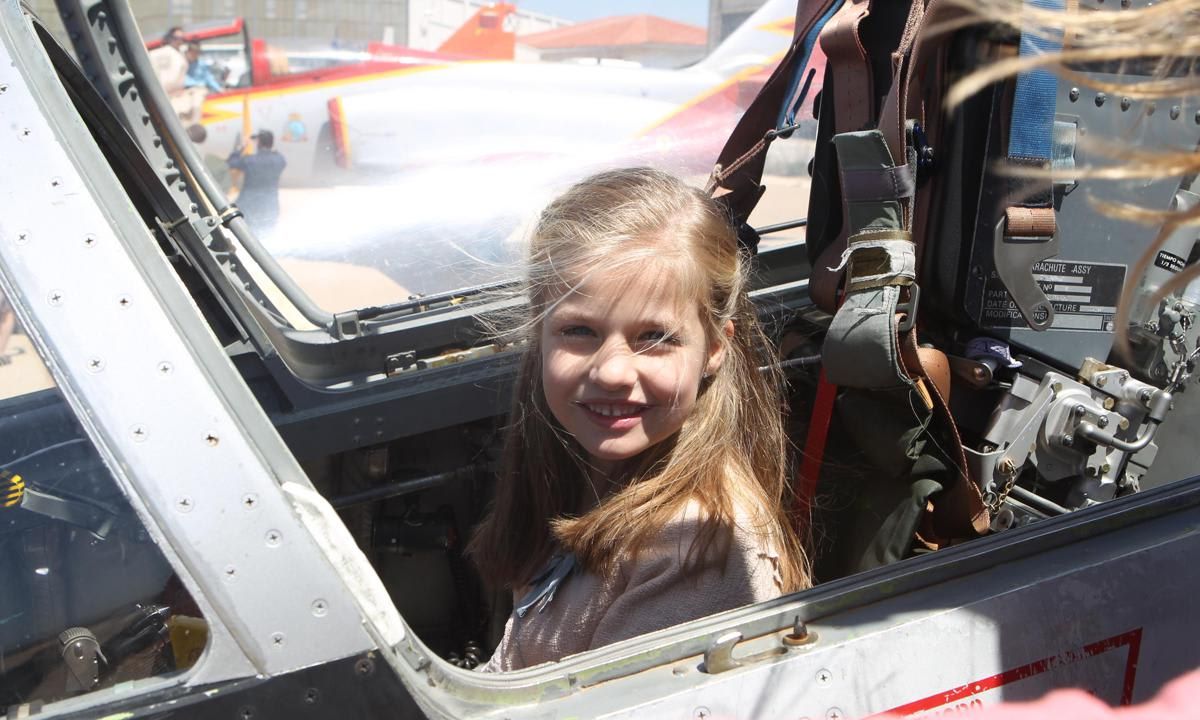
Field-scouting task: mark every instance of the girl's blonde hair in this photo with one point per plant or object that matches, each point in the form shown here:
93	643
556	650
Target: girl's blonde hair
731	453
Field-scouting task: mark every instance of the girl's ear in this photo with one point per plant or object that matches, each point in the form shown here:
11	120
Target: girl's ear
716	353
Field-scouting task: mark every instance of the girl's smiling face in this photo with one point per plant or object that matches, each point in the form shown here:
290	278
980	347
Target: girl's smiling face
622	362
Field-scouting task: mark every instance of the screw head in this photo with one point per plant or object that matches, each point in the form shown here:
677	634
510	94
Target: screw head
834	714
1101	98
230	573
249	501
278	640
320	608
55	297
95	365
1126	103
23	237
1068	440
165	368
1174	112
124	301
89	241
701	713
824	677
273	538
184	504
364	667
212	440
1102	421
1073	94
312	696
139	433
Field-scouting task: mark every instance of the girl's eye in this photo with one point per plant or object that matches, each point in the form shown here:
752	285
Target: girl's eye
659	337
576	331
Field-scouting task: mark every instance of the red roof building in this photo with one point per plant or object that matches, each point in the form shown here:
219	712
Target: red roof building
646	39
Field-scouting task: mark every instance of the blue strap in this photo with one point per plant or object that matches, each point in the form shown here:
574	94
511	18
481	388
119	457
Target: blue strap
787	113
546	583
1032	128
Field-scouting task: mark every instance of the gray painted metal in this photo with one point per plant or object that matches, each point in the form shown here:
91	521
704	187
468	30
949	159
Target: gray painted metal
195	453
1060	602
1085	235
106	41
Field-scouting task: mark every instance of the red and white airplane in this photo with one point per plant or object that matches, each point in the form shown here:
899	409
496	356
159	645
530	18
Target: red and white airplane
416	110
432	167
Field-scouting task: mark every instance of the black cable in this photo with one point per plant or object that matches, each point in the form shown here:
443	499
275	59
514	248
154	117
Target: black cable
35	453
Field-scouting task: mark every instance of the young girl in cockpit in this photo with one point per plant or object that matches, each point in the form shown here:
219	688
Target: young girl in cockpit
644	474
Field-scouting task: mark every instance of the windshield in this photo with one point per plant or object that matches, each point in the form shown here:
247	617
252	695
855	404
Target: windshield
411	160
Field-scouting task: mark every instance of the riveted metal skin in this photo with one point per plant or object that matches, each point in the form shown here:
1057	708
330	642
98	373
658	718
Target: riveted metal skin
1095	252
151	427
304	629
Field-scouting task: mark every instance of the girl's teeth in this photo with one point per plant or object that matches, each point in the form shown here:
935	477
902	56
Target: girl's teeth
612	410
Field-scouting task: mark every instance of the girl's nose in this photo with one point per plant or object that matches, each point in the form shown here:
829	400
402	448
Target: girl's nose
614	368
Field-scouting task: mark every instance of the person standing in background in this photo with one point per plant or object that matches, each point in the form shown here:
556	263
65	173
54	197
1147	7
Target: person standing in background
199	73
170	65
216	164
261	170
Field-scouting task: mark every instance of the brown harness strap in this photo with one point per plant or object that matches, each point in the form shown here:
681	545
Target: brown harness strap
850	66
735	179
959	510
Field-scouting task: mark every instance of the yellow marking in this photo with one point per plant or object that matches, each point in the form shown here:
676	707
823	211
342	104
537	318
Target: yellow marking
209	115
16	490
219	109
732	80
782	26
247	130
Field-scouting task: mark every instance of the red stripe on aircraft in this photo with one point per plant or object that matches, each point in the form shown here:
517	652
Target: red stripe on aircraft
1131	639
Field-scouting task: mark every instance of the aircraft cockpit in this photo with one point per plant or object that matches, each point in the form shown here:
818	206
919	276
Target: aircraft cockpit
239	462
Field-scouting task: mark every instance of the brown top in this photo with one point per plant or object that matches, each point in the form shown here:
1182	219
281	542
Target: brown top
642	595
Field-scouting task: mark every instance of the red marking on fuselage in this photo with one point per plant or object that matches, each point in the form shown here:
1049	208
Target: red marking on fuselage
1131	639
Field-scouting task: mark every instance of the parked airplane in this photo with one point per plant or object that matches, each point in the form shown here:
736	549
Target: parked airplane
435	166
253	62
212	512
436	113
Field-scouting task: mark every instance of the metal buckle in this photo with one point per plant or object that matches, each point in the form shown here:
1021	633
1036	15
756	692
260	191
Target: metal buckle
909	308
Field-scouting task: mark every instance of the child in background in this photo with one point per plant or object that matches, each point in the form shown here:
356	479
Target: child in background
644	473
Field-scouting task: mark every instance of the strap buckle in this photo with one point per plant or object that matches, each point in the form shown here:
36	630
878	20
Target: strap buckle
909	308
